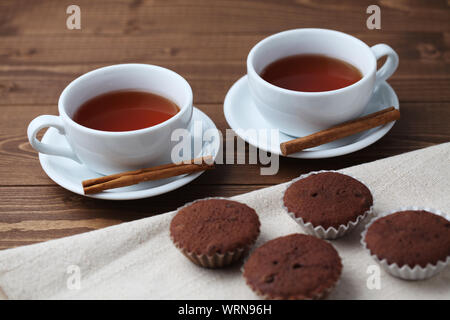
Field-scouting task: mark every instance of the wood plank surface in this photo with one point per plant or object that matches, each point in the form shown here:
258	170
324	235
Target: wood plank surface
219	17
207	42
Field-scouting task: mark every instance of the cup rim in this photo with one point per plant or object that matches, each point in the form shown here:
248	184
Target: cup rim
251	69
87	75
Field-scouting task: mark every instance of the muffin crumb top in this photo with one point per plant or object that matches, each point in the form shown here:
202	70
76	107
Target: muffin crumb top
410	237
327	199
296	266
214	226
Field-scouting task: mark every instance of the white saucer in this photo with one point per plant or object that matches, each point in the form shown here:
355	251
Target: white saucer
69	174
241	113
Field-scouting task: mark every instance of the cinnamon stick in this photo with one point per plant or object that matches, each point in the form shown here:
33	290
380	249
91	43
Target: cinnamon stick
90	182
155	173
340	131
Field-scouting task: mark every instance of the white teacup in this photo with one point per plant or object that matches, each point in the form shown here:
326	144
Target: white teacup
301	113
111	152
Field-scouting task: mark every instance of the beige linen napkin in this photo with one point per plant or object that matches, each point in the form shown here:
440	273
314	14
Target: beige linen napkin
137	259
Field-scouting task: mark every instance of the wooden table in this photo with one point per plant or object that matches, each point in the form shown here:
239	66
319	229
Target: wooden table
206	42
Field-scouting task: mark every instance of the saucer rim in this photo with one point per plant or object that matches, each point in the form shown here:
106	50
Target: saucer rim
125	195
311	154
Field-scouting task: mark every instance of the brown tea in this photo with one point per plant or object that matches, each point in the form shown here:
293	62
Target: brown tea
311	73
125	110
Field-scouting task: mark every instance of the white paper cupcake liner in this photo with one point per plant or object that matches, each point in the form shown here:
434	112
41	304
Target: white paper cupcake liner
217	260
322	295
406	272
331	232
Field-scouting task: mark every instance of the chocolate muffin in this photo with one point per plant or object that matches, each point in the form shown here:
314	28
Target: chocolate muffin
409	238
214	232
328	199
296	266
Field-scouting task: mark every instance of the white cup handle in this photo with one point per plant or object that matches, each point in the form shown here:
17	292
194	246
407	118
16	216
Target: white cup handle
391	64
46	121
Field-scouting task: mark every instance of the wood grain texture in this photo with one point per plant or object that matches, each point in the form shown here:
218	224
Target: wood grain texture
206	42
219	17
43	66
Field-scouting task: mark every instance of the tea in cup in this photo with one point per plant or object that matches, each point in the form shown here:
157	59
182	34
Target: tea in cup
118	118
306	80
